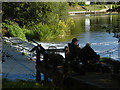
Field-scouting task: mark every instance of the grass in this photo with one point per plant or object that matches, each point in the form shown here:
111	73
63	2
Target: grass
6	84
25	84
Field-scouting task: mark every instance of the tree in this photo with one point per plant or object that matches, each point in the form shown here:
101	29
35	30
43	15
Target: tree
24	13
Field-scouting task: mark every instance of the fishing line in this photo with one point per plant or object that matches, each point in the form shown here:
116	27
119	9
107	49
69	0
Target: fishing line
108	51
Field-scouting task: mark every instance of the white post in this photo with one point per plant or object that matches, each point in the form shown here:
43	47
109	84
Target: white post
111	6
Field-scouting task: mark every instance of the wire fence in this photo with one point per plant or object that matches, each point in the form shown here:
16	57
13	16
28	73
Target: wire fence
109	52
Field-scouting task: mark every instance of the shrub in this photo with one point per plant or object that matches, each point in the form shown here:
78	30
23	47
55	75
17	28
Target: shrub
14	30
40	32
63	28
71	24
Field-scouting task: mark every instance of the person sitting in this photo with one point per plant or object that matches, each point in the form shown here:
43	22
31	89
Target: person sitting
74	49
87	53
74	52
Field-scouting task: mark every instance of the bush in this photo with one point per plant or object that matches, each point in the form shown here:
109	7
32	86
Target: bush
62	28
39	32
71	24
14	30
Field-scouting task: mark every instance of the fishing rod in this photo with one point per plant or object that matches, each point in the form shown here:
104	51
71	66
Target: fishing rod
39	45
107	51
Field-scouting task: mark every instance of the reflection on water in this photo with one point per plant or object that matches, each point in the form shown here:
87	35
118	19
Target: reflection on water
87	24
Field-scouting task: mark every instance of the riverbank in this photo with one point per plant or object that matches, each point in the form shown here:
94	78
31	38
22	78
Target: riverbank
86	8
91	7
97	9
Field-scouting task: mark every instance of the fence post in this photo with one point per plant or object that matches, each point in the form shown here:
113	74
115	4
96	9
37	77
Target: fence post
66	62
38	76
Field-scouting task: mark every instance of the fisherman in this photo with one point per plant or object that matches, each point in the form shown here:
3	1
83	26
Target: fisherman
74	51
88	54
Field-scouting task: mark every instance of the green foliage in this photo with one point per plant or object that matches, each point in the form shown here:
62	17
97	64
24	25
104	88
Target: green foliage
65	28
14	30
27	12
62	28
39	20
39	31
105	58
79	3
71	24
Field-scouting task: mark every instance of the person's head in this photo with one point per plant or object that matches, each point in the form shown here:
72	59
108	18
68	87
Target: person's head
88	44
74	40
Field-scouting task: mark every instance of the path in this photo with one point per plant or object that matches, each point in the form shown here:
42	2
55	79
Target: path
88	11
16	65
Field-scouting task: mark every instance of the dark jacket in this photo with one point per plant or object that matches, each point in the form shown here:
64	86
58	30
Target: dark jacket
87	53
74	50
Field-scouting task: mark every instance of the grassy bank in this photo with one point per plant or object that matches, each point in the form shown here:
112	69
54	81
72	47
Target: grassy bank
90	7
26	84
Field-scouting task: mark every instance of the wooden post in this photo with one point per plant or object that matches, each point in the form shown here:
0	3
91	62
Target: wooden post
45	57
45	78
38	76
66	62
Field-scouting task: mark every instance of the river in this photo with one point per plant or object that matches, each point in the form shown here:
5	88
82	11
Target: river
88	28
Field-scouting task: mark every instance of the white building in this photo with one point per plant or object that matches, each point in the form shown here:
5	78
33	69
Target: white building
87	2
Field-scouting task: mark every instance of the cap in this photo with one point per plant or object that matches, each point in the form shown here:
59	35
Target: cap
74	39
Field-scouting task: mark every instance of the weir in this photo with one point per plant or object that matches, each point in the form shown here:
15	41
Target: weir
86	12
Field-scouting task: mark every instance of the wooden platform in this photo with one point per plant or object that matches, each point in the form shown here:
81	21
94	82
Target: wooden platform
101	80
90	79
